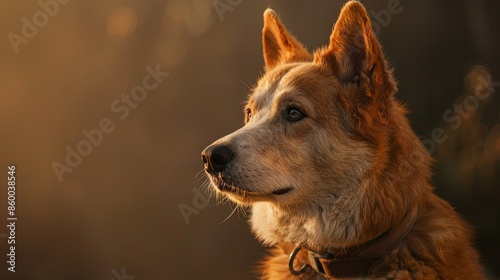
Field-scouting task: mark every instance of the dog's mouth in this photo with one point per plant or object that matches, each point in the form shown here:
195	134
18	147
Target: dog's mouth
231	189
282	191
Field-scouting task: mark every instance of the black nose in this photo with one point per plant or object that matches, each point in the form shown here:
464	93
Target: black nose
216	158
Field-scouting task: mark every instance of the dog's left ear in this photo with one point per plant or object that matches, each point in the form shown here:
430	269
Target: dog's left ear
355	56
278	45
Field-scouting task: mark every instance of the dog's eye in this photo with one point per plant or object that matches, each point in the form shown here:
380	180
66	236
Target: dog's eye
248	115
292	114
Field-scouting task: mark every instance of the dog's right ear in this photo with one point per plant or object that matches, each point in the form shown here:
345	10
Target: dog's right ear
355	55
278	45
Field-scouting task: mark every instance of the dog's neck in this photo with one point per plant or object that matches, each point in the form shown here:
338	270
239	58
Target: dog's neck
362	260
326	255
315	228
312	227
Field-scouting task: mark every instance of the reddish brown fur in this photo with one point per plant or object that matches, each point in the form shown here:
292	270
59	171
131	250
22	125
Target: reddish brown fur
354	164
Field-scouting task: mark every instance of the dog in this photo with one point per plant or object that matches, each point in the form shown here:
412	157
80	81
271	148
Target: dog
337	181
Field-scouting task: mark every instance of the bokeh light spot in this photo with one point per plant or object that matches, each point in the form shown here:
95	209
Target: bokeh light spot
121	23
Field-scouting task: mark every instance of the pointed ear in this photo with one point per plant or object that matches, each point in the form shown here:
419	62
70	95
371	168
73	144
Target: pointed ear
354	54
278	45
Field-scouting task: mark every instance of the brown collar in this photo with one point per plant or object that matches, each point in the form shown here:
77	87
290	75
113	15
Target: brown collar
363	260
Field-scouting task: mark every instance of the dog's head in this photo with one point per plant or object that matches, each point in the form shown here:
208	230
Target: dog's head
316	124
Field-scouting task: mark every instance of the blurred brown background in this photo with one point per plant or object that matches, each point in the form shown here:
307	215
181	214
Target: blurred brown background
117	213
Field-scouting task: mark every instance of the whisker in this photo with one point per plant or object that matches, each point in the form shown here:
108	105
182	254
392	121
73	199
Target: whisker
232	212
199	174
247	86
244	210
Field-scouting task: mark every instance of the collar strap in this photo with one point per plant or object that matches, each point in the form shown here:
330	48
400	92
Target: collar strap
364	260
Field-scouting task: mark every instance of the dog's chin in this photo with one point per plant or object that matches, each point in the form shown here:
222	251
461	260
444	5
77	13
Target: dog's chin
245	196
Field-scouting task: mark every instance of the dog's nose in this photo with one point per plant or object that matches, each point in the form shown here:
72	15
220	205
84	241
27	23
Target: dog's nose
216	158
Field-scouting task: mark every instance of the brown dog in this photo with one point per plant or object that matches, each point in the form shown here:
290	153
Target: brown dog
336	178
